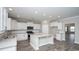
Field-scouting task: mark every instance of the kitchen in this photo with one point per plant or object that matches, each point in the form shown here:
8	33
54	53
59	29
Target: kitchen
30	28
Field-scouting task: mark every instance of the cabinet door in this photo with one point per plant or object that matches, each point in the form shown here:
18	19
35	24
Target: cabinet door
45	28
58	36
21	37
60	26
0	19
3	18
26	36
21	26
13	24
36	26
9	24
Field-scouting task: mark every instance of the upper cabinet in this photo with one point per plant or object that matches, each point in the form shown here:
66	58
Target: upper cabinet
3	19
13	24
21	25
9	24
30	24
37	26
56	24
45	27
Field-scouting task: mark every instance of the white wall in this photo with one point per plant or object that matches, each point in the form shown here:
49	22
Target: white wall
72	20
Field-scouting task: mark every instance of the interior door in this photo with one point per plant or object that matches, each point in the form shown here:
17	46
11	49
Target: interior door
70	33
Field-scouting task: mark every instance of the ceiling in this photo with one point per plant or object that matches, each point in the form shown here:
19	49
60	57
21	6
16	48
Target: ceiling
39	14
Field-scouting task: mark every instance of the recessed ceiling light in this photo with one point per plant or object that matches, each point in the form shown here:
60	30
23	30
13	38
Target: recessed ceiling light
50	16
59	16
10	9
44	14
45	21
36	12
18	16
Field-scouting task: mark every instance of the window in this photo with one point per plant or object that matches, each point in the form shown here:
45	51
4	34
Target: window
72	28
66	28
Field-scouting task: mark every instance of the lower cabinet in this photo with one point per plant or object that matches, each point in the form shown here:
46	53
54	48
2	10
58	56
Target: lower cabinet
21	37
9	49
9	44
58	37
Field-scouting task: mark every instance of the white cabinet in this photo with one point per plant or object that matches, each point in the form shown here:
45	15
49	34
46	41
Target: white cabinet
8	44
58	24
21	37
58	37
58	31
45	28
38	40
37	26
30	24
0	19
3	19
21	25
13	24
54	24
9	24
10	49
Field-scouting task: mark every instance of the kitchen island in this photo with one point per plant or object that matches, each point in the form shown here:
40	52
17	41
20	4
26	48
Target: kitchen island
40	39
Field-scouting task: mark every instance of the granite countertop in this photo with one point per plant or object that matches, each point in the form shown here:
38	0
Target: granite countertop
7	35
42	34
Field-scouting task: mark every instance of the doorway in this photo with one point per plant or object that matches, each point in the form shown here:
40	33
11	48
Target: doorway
70	33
